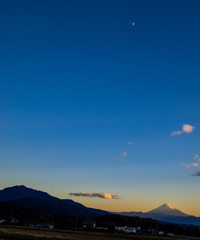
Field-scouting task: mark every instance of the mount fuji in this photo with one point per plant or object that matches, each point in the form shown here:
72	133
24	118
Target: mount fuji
166	213
168	209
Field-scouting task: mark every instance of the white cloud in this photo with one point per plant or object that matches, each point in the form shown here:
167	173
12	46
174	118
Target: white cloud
99	195
185	129
197	158
190	165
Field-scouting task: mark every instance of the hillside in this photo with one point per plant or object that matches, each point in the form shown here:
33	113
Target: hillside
32	198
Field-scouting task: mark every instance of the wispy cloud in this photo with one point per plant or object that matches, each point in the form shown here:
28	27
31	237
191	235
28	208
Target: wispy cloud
185	129
124	154
118	159
197	158
130	143
197	174
174	133
99	195
190	165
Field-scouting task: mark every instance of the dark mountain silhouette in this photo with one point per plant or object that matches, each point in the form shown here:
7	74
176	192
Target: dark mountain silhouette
56	206
71	202
175	219
10	210
166	213
40	200
131	214
33	198
18	192
94	210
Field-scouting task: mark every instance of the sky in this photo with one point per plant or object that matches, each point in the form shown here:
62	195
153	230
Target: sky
100	103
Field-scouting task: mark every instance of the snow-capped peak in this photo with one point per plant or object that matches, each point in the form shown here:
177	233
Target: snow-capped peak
167	209
168	205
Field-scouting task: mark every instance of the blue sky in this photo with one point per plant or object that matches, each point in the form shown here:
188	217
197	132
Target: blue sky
79	81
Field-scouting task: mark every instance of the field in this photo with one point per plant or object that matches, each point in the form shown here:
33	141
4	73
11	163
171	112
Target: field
22	233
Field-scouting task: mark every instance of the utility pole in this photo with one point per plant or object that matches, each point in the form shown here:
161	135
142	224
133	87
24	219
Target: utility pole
156	229
76	220
136	227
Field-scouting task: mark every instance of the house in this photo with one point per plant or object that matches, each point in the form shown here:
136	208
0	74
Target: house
130	230
120	228
161	233
125	229
9	221
170	234
49	225
89	224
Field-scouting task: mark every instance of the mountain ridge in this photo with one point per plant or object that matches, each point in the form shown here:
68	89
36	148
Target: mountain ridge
19	193
168	209
24	196
165	213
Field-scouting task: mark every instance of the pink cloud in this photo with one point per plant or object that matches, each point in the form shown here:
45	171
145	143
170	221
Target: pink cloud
124	154
117	159
99	195
130	143
197	158
190	165
185	129
174	133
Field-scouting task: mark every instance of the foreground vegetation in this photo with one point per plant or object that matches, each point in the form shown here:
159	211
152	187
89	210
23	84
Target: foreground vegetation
25	233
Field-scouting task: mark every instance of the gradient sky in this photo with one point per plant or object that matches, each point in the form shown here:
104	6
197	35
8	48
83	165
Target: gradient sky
79	82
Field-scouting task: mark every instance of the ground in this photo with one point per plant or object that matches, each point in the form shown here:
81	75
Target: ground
23	233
